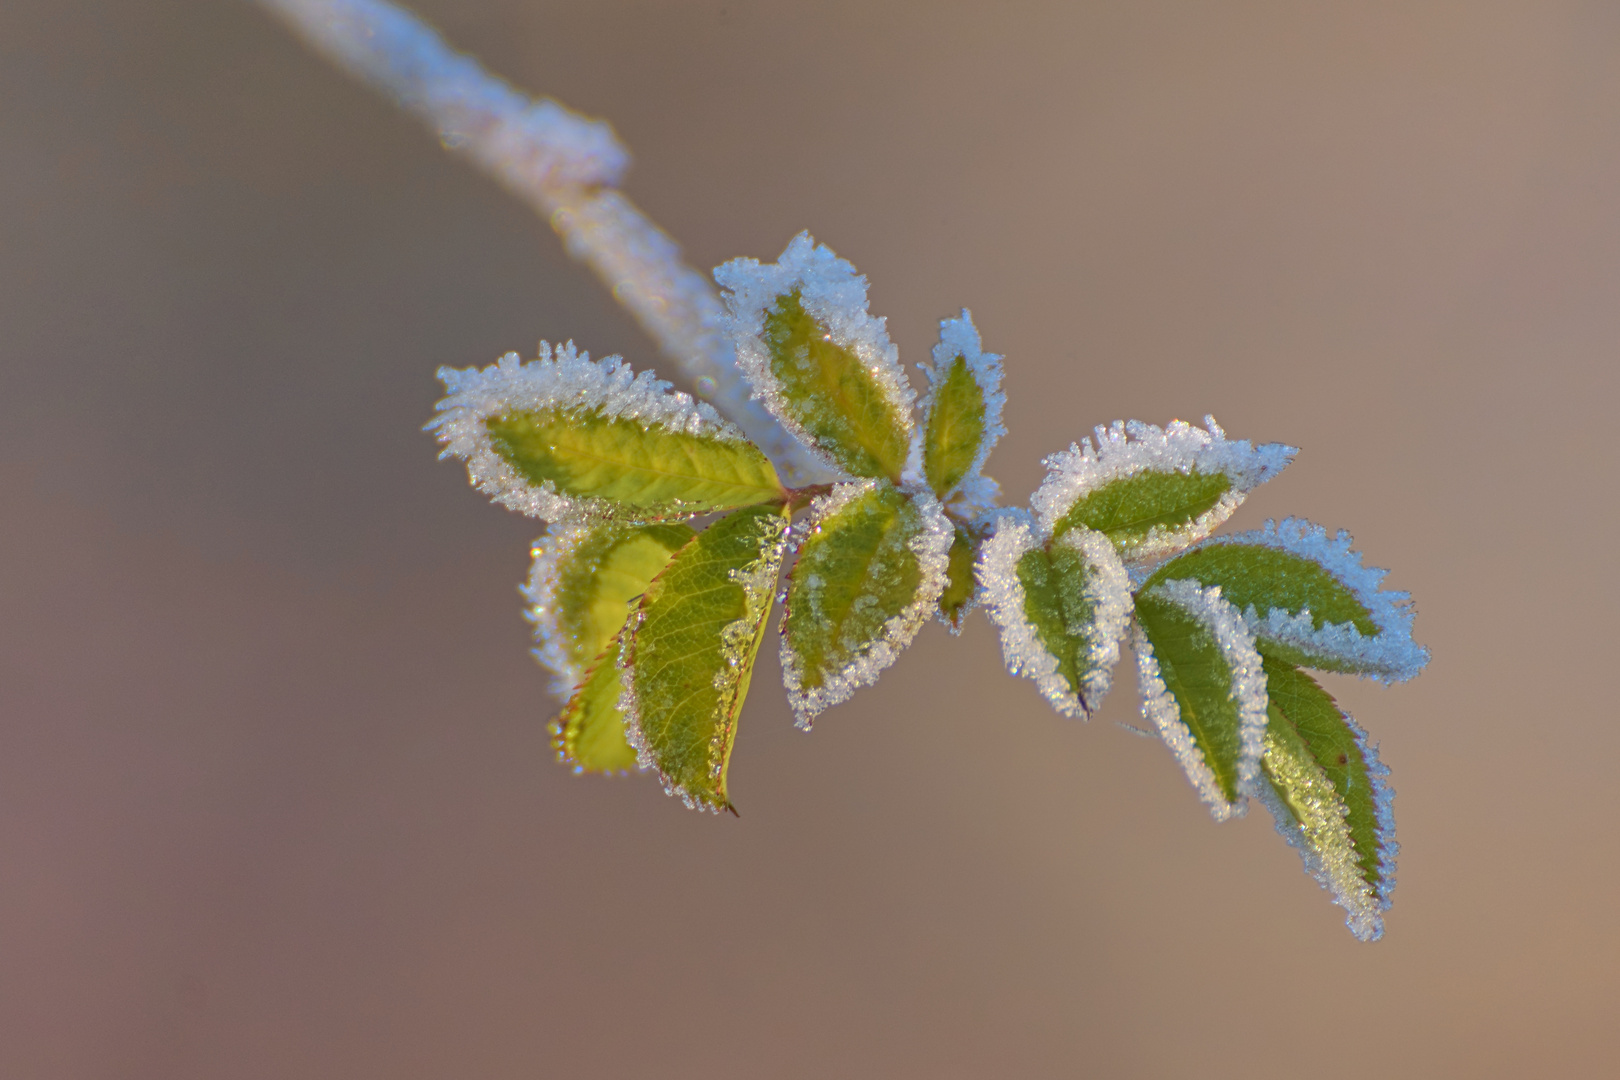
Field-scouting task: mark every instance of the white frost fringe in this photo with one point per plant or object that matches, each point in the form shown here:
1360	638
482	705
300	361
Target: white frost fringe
1326	849
562	379
835	296
550	552
1388	656
1126	448
1248	691
931	546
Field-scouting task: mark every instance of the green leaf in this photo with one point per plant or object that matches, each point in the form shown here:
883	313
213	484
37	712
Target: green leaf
1153	491
955	428
581	585
1127	510
564	438
1309	598
832	395
692	651
589	732
871	568
1203	689
957	599
1326	788
626	468
1077	598
1062	609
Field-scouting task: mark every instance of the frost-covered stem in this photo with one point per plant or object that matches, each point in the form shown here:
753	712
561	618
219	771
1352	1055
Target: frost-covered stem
567	167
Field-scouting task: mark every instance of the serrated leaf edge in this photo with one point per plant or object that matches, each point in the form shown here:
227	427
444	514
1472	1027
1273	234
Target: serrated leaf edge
558	727
834	295
560	378
1364	905
932	547
1389	656
1127	447
1159	706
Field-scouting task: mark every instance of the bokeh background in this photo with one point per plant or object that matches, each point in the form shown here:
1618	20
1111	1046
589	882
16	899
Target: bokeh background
276	798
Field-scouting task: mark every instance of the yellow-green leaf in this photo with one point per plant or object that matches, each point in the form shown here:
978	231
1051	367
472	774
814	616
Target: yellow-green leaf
957	599
1327	790
564	438
962	409
589	732
692	649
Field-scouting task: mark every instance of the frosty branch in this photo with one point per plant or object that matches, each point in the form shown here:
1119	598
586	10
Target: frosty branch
668	523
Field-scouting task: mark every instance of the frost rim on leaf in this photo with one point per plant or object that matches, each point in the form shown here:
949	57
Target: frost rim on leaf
996	573
561	378
834	295
1127	447
1364	905
932	547
549	552
1390	656
959	337
1159	706
757	579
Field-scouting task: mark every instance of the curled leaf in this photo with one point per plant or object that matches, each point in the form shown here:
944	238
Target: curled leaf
589	733
690	656
871	567
1203	689
1308	597
961	410
580	586
1153	491
824	366
1327	790
564	438
1062	609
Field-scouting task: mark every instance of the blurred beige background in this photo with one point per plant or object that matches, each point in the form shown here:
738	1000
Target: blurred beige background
275	792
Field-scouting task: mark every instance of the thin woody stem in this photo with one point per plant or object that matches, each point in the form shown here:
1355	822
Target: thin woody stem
567	167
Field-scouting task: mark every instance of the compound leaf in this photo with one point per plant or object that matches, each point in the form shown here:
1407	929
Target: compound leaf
1062	609
1309	598
824	366
1326	788
1153	491
1203	689
871	567
962	408
691	652
565	438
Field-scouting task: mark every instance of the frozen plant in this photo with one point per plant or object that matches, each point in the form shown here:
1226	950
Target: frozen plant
669	523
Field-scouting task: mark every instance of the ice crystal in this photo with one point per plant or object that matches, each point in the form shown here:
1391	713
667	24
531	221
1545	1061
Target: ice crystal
1248	692
1389	656
1322	838
566	380
834	295
1128	448
930	545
